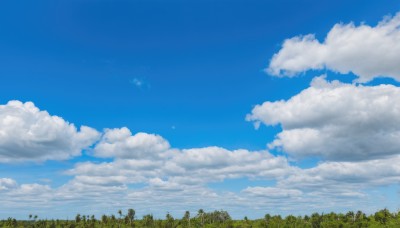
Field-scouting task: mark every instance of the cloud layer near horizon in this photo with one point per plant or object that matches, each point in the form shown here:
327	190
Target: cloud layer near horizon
145	166
366	51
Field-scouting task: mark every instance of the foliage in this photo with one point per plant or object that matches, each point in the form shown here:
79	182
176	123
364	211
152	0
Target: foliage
215	219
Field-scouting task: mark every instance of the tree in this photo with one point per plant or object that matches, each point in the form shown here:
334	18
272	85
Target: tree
350	216
383	216
113	219
169	220
291	220
316	220
200	214
78	218
104	219
120	216
186	218
131	216
148	220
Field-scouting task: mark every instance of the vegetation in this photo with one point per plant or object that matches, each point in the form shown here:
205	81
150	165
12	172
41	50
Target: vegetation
382	218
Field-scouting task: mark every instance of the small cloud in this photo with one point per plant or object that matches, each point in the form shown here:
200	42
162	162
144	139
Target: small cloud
139	83
45	180
173	127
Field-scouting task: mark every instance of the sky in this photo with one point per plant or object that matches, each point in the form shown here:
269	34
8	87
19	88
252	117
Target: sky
254	107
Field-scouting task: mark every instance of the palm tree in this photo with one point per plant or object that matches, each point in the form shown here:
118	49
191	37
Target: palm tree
92	220
113	218
78	218
120	216
169	220
200	214
187	218
131	215
30	218
104	220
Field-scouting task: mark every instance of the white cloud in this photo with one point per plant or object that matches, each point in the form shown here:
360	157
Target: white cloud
28	134
336	121
272	192
120	143
141	157
147	174
182	178
345	179
366	51
161	195
178	180
186	168
14	195
137	82
7	184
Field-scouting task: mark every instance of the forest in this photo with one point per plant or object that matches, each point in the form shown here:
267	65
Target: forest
381	218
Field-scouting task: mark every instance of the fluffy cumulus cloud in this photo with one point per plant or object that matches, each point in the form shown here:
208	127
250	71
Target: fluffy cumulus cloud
366	51
335	121
29	134
146	158
122	144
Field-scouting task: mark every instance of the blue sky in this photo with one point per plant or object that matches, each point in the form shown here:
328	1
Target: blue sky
193	77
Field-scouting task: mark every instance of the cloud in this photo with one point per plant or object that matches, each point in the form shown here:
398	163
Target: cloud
178	179
7	184
159	177
145	171
354	175
141	157
335	121
120	143
140	83
137	82
366	51
272	192
145	158
29	134
14	195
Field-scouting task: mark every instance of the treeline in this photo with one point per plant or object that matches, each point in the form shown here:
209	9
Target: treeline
382	218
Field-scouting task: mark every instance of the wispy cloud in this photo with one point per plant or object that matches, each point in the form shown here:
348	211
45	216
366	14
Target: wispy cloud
139	83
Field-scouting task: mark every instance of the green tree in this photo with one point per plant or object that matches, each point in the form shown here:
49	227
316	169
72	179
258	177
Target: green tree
148	220
169	221
200	214
131	215
78	219
186	219
383	216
